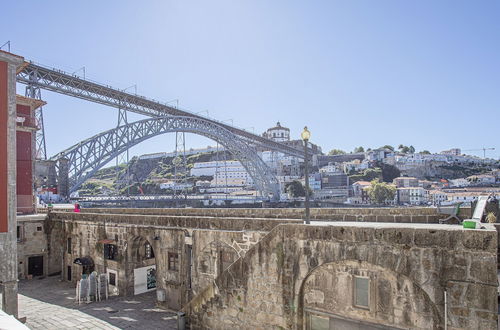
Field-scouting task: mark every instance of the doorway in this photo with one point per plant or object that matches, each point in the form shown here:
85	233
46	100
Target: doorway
35	266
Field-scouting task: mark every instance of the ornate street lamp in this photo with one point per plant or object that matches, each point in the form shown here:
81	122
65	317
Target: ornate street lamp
306	135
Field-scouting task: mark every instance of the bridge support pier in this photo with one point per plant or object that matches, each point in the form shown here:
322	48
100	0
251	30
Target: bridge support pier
63	178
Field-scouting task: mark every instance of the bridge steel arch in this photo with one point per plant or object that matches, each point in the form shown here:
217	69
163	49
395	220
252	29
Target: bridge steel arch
88	156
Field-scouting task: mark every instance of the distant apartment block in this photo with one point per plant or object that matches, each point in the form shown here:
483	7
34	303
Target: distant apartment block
405	182
411	195
453	151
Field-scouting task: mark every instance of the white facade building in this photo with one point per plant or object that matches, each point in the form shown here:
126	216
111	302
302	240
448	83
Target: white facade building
220	170
437	197
330	168
462	182
277	133
453	151
356	165
175	185
412	195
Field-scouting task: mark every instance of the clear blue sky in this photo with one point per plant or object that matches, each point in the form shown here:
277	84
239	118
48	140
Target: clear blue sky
367	73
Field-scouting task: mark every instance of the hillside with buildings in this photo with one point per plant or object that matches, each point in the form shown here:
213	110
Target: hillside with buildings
406	176
151	173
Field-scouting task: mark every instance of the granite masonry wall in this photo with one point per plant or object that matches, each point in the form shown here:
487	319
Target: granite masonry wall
31	244
203	247
285	283
254	272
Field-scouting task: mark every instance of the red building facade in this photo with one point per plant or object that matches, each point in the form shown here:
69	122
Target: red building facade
26	127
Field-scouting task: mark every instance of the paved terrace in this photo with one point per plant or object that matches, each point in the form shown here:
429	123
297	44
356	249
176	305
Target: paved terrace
50	304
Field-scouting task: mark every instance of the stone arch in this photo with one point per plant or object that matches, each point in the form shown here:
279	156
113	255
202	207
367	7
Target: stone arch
86	263
216	256
212	260
137	250
141	270
390	292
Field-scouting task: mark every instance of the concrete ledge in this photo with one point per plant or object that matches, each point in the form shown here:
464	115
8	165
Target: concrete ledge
176	221
383	214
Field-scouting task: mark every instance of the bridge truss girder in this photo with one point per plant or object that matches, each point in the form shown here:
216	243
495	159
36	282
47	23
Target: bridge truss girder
68	84
88	156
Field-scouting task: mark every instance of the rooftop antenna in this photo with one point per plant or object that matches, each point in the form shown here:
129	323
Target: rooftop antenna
133	86
81	69
176	102
8	45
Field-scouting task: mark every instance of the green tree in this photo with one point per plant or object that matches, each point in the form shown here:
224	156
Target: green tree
412	149
381	192
359	149
295	189
405	149
387	147
372	174
425	152
334	152
389	172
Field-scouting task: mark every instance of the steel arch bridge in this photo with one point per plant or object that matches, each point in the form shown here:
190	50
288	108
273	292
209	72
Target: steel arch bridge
88	156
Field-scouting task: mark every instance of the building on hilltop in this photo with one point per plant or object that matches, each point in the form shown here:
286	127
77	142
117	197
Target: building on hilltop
323	160
277	133
453	151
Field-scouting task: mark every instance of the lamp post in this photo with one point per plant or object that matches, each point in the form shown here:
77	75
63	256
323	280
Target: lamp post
305	137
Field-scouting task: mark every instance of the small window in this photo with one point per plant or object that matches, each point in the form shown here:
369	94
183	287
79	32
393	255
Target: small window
173	261
112	279
148	251
68	247
362	292
19	234
110	251
39	228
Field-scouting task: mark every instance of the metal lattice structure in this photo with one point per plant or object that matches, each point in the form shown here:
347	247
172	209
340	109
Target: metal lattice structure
64	83
180	164
88	156
40	147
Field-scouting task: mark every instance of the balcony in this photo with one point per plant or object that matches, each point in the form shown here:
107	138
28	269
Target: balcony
26	121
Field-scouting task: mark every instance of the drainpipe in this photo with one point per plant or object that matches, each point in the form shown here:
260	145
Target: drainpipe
445	311
105	263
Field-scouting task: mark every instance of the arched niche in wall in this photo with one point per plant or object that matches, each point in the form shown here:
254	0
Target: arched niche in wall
359	295
141	252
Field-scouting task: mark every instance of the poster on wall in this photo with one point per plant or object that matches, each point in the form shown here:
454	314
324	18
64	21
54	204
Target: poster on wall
151	278
144	279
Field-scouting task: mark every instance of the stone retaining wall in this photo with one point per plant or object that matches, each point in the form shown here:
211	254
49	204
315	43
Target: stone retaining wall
273	285
184	221
386	214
